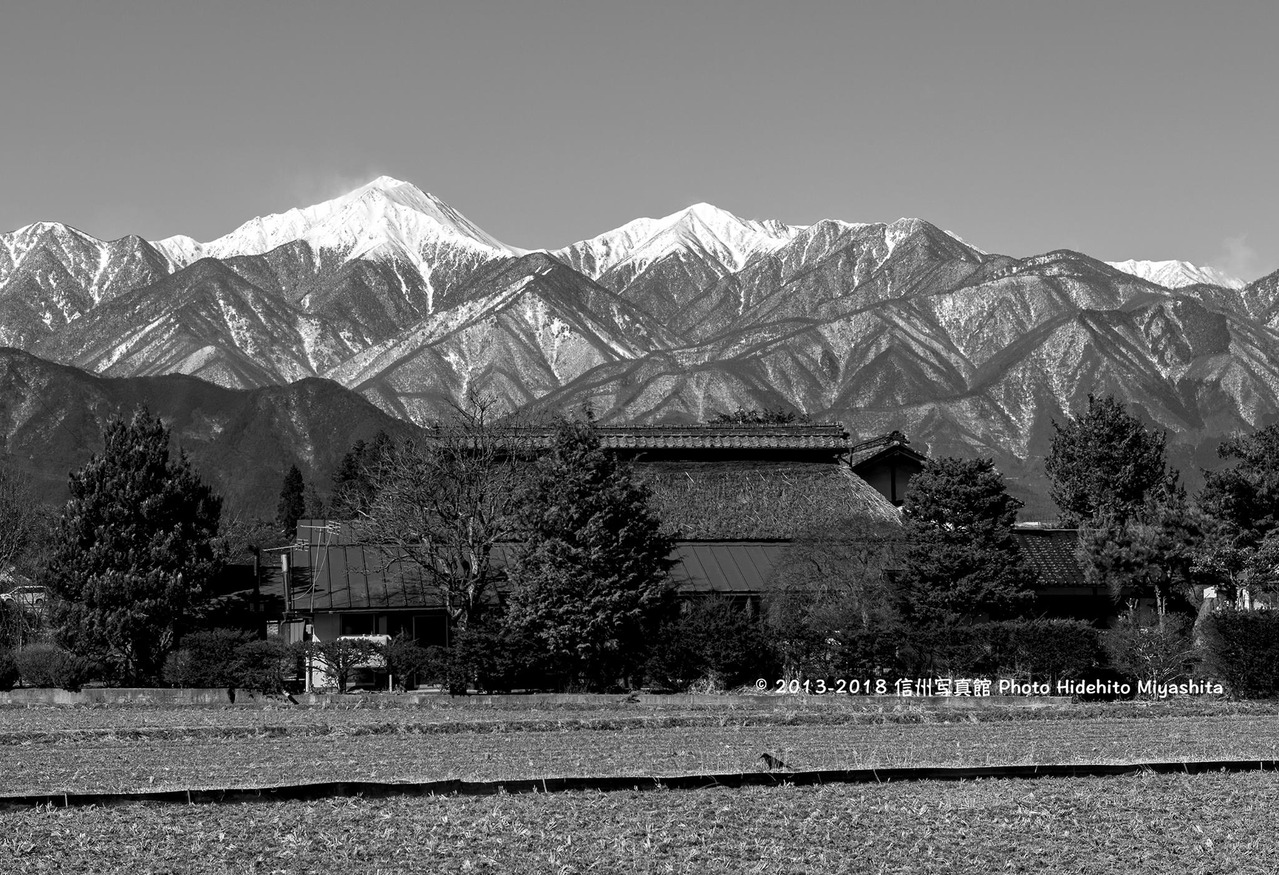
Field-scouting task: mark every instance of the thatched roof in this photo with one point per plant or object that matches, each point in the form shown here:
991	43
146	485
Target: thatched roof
735	500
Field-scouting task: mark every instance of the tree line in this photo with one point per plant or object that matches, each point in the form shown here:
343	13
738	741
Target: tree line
554	570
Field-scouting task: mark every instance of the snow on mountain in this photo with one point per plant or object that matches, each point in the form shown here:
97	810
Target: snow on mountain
384	217
730	240
1176	274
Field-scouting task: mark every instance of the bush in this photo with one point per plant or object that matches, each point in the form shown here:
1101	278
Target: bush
492	657
405	659
265	666
1046	650
711	643
207	660
1156	655
20	626
341	657
8	671
1243	650
1039	650
46	665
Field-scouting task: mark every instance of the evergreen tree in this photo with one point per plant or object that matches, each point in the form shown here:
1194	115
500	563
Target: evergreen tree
314	507
1241	505
1105	465
292	506
961	561
134	552
1110	477
591	574
356	475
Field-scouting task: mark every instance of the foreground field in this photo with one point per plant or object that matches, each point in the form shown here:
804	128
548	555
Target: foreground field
128	758
1166	824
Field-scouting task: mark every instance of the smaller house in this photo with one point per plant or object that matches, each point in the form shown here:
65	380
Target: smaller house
887	463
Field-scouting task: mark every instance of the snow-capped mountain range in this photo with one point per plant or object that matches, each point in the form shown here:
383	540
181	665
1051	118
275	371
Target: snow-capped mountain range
1177	274
396	296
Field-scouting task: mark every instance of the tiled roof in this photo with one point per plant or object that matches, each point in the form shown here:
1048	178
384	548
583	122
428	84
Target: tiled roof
1051	553
361	577
729	436
816	436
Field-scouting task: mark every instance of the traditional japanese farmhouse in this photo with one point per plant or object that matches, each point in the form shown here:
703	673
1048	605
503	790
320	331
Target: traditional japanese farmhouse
740	499
735	496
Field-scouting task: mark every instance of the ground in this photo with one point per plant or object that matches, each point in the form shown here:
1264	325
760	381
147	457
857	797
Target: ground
1145	823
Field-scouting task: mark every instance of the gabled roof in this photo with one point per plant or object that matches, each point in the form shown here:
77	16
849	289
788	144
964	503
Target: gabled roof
878	447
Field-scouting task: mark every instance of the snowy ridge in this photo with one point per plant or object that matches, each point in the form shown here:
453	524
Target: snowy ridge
704	228
1176	274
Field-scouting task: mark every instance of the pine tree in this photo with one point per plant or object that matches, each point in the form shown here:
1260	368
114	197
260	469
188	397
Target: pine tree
292	506
356	475
134	552
1105	465
1110	477
592	571
961	561
1241	504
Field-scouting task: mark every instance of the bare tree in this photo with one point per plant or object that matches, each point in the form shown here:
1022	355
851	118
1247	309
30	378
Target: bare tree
444	502
24	522
829	602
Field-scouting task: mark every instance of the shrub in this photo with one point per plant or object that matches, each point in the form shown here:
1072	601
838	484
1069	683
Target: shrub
341	657
20	625
405	658
492	657
46	665
1040	650
1047	650
712	643
264	666
1243	650
1156	655
206	659
8	671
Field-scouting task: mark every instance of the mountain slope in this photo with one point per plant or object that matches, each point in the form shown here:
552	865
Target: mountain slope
242	442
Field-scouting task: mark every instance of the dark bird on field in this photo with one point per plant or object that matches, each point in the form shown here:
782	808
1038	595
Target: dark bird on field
771	762
632	698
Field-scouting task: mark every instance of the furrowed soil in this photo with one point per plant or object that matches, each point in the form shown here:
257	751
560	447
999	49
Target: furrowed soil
127	749
1212	823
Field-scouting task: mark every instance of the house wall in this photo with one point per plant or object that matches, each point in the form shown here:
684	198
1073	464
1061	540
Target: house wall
326	627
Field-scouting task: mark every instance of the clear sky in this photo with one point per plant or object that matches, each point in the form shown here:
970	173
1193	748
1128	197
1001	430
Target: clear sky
1143	129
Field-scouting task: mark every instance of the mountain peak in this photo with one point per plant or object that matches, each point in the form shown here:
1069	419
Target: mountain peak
383	213
730	239
1176	274
387	182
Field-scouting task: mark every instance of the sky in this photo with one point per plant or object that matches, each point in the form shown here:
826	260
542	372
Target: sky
1142	129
